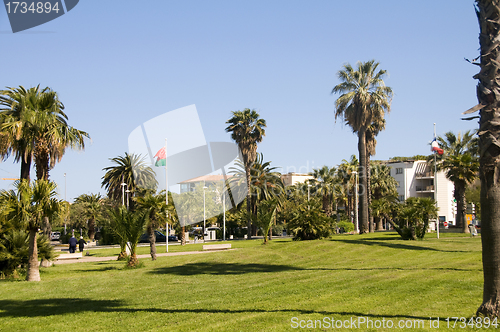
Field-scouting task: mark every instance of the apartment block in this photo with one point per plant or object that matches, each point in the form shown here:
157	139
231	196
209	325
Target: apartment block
416	179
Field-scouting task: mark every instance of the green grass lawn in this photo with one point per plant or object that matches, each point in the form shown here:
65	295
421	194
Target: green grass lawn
257	288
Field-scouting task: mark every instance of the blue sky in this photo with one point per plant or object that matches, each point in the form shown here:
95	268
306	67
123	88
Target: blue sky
118	63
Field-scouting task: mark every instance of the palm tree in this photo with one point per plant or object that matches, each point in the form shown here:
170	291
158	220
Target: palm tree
372	131
461	165
346	193
247	129
324	182
265	183
364	98
266	214
131	170
128	226
155	205
488	94
93	207
28	206
382	185
34	126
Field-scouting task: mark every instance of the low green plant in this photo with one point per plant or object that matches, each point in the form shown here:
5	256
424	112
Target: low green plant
345	226
14	252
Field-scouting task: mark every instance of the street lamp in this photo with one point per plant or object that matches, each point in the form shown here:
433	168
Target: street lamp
123	192
204	217
356	222
127	191
66	201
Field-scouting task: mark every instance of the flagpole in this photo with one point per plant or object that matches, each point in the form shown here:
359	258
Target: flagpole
166	192
435	183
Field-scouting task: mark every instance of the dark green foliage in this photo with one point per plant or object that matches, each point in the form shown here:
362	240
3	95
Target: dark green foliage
308	222
345	226
416	157
14	252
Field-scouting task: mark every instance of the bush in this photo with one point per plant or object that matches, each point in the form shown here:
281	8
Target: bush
309	223
345	226
278	230
14	251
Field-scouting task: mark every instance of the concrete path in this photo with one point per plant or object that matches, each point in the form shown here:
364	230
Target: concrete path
85	259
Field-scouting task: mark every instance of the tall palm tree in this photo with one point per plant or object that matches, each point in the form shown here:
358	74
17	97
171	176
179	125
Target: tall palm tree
488	94
34	125
132	170
364	98
93	205
156	206
28	205
247	129
461	165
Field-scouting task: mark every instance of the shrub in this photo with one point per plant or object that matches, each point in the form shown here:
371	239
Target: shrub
345	226
14	251
309	223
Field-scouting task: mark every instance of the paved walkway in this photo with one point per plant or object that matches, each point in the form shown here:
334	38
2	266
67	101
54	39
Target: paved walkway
85	259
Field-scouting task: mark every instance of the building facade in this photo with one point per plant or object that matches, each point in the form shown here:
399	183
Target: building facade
416	179
289	179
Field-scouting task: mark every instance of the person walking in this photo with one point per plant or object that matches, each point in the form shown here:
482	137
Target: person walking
72	244
81	243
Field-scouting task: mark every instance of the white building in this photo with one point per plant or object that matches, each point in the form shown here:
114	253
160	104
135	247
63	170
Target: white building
290	179
416	179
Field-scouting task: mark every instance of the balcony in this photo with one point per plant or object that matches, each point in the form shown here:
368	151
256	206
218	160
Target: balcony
425	189
424	175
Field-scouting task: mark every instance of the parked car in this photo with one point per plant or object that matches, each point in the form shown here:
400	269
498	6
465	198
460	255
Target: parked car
172	238
160	237
54	236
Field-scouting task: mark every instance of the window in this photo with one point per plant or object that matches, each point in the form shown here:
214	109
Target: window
401	198
398	184
399	170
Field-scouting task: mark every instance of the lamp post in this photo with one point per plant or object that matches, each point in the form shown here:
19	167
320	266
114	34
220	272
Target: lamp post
123	192
224	216
435	185
204	216
66	201
127	191
167	231
356	222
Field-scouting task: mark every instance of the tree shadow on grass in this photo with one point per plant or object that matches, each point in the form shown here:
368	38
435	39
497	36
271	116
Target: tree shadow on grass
63	306
223	269
389	242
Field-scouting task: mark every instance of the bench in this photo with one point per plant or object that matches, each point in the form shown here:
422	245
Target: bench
70	256
217	246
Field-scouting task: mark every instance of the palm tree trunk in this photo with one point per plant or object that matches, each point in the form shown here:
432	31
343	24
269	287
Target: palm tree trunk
133	261
42	160
25	168
152	242
92	229
459	195
487	93
33	273
249	202
369	193
183	236
363	196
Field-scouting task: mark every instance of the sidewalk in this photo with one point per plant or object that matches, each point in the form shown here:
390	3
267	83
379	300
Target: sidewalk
86	259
